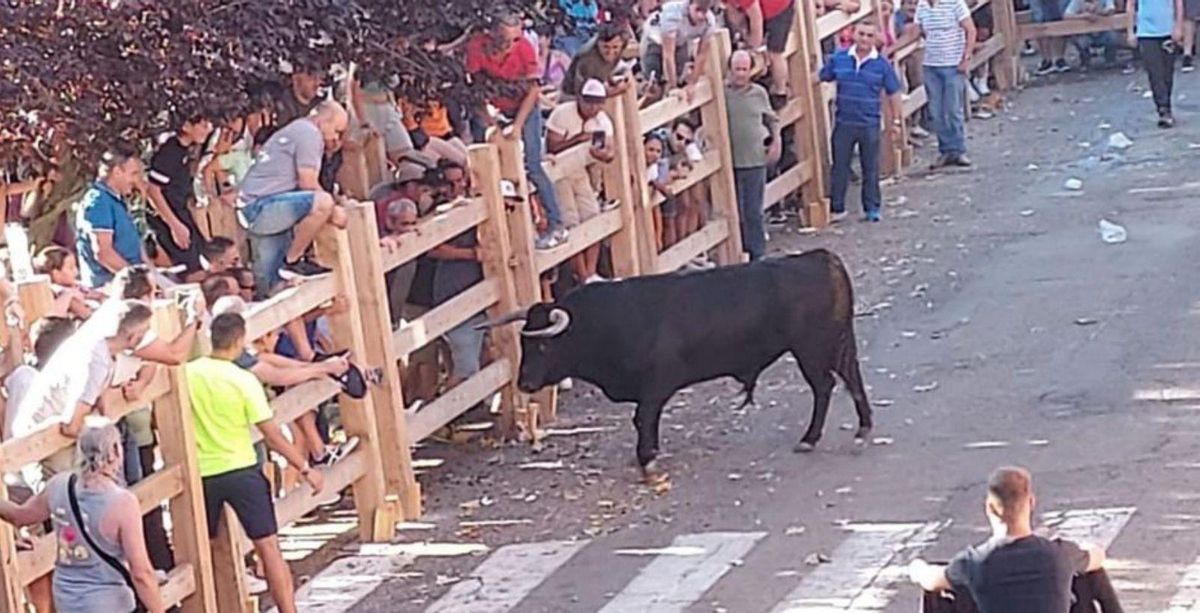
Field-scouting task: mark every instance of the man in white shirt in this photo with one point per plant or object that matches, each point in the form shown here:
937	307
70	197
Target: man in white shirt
949	33
668	37
571	124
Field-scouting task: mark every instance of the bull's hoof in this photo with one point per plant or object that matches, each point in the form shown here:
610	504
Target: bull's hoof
804	447
653	475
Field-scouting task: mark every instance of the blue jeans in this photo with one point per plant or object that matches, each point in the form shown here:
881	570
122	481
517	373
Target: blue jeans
945	87
269	222
531	136
845	137
750	184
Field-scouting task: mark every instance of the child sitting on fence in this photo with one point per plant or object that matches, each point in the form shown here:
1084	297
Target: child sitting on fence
70	297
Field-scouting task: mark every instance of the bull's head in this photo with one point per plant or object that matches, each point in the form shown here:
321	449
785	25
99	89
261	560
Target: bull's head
543	360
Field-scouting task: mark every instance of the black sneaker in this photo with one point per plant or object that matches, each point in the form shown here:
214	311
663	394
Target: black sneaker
301	268
1045	68
1166	119
337	452
1061	65
1189	64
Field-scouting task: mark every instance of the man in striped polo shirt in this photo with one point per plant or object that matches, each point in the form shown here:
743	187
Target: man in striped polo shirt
949	41
862	74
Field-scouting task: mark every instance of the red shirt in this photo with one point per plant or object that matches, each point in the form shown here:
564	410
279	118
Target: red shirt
518	63
770	8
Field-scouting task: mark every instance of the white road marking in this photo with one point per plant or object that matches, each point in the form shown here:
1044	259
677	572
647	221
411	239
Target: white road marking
506	577
670	583
1187	597
344	583
863	570
1089	526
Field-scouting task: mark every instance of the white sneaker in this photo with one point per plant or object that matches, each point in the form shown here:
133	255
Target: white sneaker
838	217
254	585
981	86
566	385
918	131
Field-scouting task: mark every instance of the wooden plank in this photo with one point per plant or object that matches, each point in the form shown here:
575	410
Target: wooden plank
496	245
666	110
985	52
301	501
791	112
151	492
721	185
810	131
907	48
618	174
298	400
915	101
581	237
181	583
978	5
446	316
1074	27
288	305
387	398
791	180
569	163
435	230
831	23
707	167
681	253
458	400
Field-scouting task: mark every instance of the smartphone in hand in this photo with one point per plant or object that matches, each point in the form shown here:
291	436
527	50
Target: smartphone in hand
598	139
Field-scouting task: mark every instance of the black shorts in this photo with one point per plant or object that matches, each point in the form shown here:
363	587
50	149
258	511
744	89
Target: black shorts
777	28
247	491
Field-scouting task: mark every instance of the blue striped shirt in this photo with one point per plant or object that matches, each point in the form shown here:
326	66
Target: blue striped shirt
859	86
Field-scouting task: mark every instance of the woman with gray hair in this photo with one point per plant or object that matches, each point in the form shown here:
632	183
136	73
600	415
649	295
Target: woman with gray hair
101	562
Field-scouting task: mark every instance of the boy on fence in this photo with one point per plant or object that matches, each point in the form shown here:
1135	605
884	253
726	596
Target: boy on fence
226	401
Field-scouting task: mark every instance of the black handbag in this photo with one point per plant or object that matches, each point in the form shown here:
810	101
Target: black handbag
108	559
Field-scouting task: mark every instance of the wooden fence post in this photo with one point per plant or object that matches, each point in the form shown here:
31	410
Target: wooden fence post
1004	18
716	122
816	209
806	131
526	280
641	207
377	514
497	244
387	398
177	444
618	176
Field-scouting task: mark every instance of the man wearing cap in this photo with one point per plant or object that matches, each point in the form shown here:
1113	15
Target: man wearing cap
754	139
570	124
396	216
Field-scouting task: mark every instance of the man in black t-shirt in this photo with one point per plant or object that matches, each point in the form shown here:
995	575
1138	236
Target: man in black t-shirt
170	191
1015	570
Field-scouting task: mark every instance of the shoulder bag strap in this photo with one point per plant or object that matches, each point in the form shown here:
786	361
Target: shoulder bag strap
108	559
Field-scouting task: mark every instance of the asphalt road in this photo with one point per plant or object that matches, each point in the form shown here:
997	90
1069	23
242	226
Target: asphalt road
1015	335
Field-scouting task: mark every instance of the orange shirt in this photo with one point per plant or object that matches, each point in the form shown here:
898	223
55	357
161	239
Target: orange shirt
435	119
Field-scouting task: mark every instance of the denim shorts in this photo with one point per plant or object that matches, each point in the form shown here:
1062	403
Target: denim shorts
276	214
1047	11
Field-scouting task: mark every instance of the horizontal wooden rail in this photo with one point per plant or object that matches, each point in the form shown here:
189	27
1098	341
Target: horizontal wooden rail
666	110
791	112
706	168
181	583
301	501
39	445
298	400
831	23
1074	26
907	48
708	237
583	236
435	230
987	50
459	400
288	305
568	163
415	334
151	492
787	182
915	101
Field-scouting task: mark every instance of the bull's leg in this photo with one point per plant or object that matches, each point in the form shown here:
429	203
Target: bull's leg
820	379
849	371
645	420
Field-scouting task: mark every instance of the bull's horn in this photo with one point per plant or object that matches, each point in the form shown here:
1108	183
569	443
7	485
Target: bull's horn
559	320
507	318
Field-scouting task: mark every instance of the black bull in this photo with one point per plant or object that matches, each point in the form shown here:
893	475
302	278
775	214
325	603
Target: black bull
642	339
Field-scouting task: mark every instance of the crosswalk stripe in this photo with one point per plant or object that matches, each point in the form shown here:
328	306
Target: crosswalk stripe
1089	526
1187	598
862	571
670	583
345	582
506	577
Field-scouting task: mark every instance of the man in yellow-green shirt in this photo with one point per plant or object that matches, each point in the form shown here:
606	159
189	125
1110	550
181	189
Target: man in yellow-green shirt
226	401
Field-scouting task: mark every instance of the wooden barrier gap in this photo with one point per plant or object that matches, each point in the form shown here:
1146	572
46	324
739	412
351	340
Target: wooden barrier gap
288	305
1074	27
413	335
459	399
436	230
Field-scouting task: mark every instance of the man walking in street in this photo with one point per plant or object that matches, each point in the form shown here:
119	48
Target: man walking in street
861	75
754	139
1155	29
282	204
226	401
949	33
1016	570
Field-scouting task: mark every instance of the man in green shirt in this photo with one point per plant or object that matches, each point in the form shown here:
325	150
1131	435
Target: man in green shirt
226	401
754	139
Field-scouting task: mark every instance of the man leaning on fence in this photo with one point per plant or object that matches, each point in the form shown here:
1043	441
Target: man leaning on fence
1017	570
862	74
755	142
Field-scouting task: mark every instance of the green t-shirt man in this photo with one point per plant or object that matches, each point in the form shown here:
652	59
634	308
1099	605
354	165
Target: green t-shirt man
226	402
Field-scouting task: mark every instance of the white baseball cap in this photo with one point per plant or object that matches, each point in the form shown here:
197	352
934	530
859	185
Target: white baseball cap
508	189
593	88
